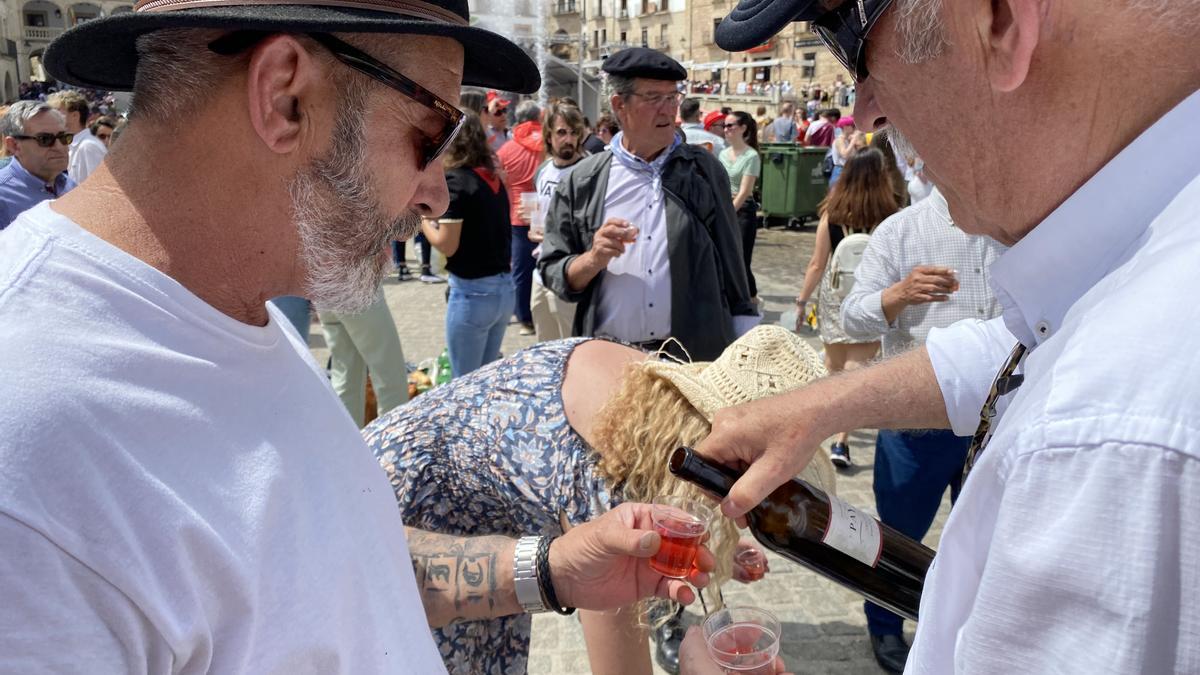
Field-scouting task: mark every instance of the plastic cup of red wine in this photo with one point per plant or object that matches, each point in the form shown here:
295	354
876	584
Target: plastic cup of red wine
682	524
753	562
743	640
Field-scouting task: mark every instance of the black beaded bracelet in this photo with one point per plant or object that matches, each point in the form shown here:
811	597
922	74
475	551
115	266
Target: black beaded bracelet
545	583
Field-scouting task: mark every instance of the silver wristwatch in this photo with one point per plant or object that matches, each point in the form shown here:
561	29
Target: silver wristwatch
525	581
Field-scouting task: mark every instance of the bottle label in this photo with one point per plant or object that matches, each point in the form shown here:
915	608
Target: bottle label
853	532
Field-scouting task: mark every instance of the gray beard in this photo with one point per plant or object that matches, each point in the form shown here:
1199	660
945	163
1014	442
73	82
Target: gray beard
341	224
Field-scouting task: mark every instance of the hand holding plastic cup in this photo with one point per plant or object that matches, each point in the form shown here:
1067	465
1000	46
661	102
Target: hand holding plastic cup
743	640
682	524
753	562
630	234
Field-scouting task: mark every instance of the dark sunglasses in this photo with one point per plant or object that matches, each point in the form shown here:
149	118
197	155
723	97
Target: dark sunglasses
432	147
844	31
46	139
730	126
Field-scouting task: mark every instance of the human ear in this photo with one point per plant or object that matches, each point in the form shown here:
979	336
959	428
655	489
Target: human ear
616	103
1010	32
282	76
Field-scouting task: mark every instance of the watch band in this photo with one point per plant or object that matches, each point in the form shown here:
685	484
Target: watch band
525	579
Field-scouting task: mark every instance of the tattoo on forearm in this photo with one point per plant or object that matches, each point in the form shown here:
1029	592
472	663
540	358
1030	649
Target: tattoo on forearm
455	575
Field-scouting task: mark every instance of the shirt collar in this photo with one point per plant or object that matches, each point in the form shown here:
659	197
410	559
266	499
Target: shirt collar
1043	275
35	183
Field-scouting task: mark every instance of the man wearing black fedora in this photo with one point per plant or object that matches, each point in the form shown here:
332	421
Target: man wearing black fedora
1073	545
180	490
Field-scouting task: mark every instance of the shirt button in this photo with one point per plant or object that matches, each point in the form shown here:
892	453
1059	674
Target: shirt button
980	311
651	332
652	304
1042	328
978	271
649	271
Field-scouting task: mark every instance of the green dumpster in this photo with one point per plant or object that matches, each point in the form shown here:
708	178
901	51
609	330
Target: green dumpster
793	183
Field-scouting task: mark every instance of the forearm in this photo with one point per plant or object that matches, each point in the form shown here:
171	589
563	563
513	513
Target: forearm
812	277
463	578
893	302
739	200
438	237
898	393
581	270
862	315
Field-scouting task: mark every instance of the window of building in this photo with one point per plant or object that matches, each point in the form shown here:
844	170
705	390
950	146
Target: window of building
809	70
623	38
596	38
645	37
603	36
35	19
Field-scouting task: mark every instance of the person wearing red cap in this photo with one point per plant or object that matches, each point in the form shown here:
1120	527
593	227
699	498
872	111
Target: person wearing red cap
495	121
695	132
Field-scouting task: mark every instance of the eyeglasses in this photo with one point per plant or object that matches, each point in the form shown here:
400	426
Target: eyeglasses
432	146
844	31
46	139
730	126
1006	381
658	100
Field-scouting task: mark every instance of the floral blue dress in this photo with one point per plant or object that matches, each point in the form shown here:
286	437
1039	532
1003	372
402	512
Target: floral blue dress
492	453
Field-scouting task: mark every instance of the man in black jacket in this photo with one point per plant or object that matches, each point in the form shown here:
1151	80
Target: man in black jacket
643	236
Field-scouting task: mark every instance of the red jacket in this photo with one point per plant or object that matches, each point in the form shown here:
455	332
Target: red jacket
520	158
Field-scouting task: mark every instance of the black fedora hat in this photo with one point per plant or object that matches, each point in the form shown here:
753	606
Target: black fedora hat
753	22
101	53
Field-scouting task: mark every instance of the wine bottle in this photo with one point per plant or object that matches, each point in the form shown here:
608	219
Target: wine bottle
825	534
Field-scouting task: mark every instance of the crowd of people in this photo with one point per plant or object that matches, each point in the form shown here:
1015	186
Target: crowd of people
181	492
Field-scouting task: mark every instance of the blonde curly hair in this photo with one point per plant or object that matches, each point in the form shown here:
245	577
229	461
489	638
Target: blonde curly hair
636	430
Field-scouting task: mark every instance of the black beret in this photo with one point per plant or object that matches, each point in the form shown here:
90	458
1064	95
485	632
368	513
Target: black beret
644	62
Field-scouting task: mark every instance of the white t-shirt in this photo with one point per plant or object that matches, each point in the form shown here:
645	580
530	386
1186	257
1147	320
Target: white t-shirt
181	492
545	182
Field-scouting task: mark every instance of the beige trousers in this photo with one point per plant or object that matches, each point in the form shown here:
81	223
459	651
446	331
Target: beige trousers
552	316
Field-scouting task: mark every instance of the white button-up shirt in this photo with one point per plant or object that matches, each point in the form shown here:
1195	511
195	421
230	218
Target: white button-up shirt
922	234
633	302
1074	546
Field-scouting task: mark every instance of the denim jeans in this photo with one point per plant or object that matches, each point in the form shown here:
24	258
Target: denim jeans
523	263
912	471
296	310
476	318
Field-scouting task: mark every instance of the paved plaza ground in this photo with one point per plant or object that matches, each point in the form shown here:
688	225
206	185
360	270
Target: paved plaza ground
824	630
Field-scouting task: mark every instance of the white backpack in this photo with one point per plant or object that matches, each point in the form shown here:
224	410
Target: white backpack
845	259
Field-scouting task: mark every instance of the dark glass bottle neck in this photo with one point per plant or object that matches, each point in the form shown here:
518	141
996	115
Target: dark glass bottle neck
712	477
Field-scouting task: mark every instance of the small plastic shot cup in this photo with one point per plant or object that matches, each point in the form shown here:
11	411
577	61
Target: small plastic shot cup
743	640
681	523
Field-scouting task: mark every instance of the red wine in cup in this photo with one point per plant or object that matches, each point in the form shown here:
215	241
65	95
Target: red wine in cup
677	554
821	532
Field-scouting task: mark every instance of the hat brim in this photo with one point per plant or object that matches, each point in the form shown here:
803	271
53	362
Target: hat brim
101	53
753	22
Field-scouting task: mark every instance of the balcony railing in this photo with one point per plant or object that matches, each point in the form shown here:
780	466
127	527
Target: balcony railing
42	33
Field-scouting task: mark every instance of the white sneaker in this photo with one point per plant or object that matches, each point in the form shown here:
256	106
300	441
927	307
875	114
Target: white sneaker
432	279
